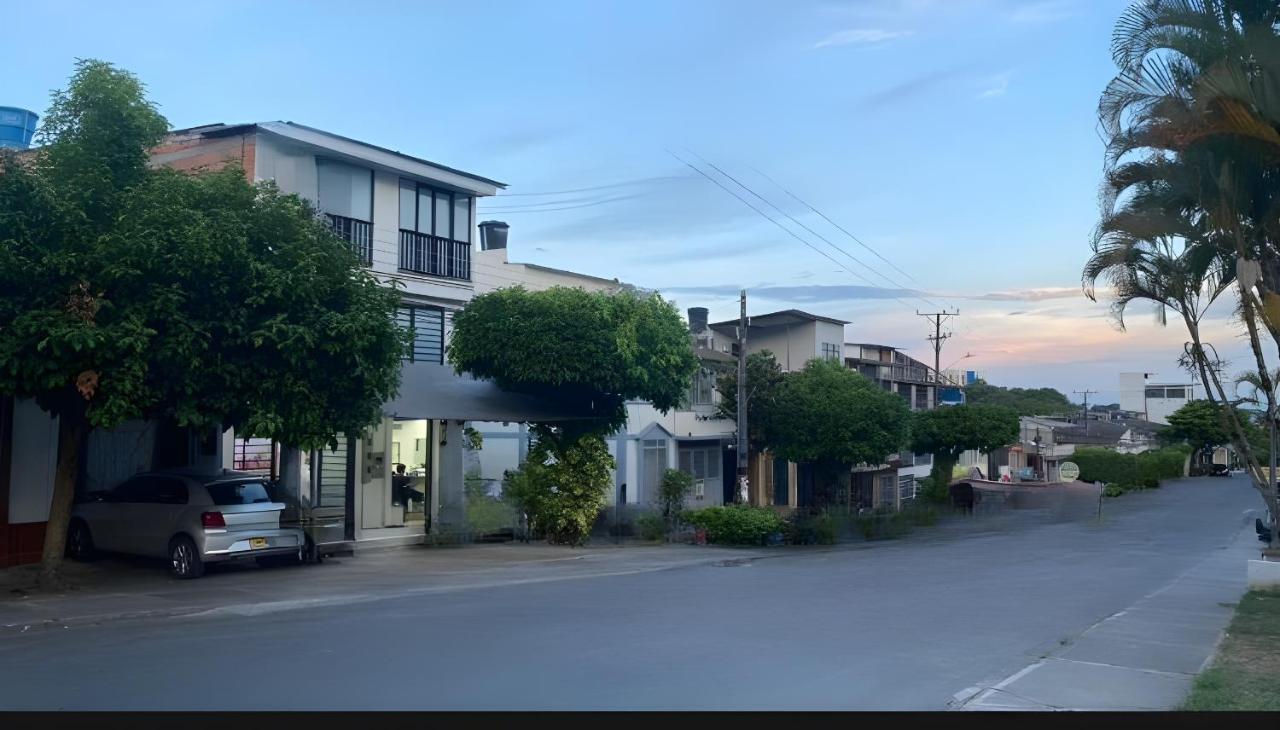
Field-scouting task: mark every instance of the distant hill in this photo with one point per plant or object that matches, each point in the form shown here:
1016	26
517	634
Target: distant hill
1026	401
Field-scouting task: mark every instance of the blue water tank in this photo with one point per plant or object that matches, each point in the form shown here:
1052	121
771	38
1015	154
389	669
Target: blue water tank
17	127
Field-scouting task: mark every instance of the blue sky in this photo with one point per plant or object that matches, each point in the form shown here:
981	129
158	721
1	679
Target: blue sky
957	138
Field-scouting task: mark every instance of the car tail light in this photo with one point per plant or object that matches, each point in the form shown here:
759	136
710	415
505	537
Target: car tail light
212	519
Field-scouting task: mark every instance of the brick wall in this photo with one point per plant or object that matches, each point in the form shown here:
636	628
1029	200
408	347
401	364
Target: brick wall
191	152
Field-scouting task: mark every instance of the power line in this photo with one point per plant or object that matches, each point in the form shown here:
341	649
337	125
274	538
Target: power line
491	211
807	228
786	230
837	225
564	201
637	181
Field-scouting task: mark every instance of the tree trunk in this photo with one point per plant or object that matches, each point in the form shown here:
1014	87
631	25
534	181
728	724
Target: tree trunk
72	429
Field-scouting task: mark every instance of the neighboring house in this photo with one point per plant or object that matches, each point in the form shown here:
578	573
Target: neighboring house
690	438
412	222
1154	401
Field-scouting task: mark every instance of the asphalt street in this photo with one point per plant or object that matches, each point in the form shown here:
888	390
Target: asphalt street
910	624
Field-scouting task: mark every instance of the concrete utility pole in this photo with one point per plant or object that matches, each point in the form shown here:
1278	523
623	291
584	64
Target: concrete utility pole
742	398
937	338
1085	411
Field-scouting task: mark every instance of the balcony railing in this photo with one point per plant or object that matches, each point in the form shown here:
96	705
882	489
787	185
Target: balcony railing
435	256
358	233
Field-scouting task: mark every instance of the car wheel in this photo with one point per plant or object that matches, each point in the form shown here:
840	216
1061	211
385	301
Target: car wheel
184	559
79	542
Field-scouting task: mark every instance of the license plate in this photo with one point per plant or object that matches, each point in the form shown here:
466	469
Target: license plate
257	542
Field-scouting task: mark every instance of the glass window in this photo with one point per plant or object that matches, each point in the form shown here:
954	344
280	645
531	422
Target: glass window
702	388
1175	393
425	208
1155	392
655	463
345	190
427	325
231	493
461	218
443	206
408	205
830	351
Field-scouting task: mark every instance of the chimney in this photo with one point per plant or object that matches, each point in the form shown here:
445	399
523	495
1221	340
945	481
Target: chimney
493	235
697	319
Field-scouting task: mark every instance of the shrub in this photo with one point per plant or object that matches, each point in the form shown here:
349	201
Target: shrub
883	525
921	515
651	526
675	486
561	488
736	524
1112	490
811	529
1140	471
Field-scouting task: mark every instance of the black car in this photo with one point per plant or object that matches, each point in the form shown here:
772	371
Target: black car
1219	470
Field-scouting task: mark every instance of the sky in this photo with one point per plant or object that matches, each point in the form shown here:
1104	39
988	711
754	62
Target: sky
955	140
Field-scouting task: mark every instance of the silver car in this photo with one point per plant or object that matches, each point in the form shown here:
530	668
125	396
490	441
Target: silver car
189	518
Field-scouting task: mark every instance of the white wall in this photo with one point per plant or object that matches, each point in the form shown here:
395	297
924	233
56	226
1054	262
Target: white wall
491	270
1133	392
35	460
291	166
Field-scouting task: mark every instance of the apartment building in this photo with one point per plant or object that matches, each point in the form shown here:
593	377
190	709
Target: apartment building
1154	401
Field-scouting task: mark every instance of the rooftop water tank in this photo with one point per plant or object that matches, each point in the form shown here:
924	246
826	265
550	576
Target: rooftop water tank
17	127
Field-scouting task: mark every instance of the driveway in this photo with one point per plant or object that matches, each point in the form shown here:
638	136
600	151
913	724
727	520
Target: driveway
954	617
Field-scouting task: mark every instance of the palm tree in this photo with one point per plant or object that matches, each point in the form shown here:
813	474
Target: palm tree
1191	200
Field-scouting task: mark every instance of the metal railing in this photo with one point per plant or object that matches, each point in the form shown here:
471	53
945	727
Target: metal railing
425	254
356	232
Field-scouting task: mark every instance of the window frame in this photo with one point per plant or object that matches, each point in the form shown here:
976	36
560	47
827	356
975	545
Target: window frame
435	193
413	308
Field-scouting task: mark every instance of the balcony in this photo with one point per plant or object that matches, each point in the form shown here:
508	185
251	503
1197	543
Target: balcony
358	233
434	256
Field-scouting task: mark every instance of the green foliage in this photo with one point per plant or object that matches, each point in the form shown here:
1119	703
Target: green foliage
593	349
133	293
883	525
651	526
562	484
736	524
764	381
952	430
1199	424
803	528
934	488
830	415
1022	401
675	486
1130	471
472	439
1112	490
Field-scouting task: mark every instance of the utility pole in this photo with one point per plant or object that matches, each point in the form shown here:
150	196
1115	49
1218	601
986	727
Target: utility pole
937	338
742	398
1084	414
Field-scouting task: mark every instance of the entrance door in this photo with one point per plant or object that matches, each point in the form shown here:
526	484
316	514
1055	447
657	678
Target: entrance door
335	493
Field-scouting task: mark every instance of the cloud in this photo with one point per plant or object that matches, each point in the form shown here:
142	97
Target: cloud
1045	11
995	86
908	89
803	294
862	37
1029	295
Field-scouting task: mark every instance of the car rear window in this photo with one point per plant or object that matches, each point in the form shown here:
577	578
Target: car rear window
228	493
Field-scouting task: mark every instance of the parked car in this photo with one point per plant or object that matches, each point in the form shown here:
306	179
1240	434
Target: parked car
1263	528
191	519
1219	470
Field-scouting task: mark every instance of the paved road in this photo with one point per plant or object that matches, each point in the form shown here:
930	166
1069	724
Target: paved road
900	626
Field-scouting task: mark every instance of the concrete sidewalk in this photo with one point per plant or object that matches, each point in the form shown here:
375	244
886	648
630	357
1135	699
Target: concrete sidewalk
1142	658
121	589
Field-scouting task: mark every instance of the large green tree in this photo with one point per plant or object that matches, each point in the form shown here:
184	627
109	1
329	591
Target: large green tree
589	350
764	380
834	418
135	293
1200	424
950	431
1023	401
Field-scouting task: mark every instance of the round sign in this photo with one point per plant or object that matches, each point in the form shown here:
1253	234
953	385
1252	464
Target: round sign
1068	471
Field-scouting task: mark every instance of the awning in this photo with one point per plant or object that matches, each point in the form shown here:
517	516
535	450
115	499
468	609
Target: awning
435	391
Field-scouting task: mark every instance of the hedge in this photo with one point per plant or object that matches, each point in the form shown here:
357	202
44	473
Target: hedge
1131	471
735	524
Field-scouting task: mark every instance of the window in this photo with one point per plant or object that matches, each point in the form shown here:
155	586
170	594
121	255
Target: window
345	190
427	325
1155	392
1175	393
922	398
830	351
888	491
441	213
906	487
703	464
232	493
654	462
702	389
